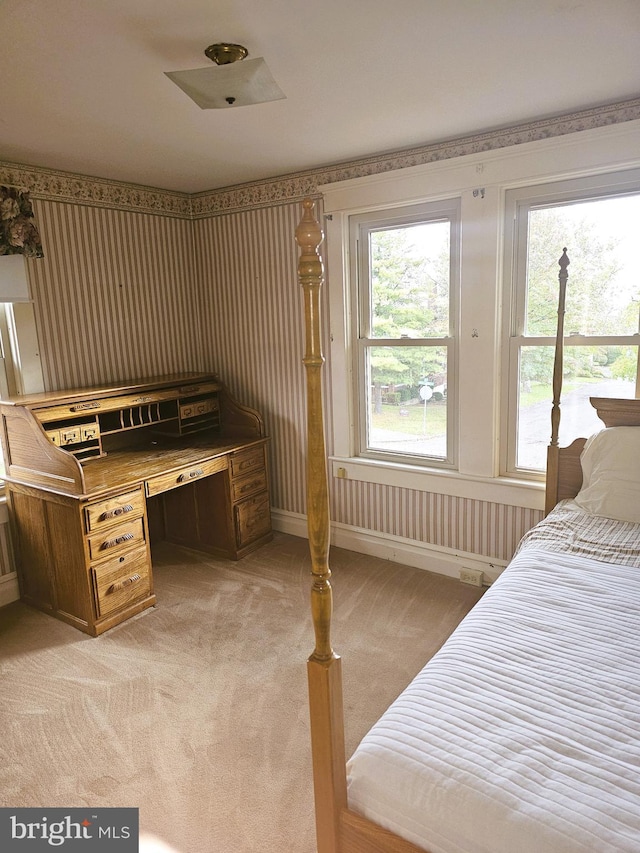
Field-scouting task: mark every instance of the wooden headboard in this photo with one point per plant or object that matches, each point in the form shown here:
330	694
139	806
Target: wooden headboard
564	472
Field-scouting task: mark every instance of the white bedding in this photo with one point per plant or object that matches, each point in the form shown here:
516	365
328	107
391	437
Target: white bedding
522	735
570	529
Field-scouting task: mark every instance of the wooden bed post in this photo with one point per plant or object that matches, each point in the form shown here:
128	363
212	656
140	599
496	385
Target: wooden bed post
324	666
552	450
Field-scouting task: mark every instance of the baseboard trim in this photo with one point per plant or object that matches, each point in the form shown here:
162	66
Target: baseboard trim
289	522
420	555
9	589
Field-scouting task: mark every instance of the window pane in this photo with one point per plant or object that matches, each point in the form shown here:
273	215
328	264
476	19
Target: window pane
410	281
588	372
407	400
603	293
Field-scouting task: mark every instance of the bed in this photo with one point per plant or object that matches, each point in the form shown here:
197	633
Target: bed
522	734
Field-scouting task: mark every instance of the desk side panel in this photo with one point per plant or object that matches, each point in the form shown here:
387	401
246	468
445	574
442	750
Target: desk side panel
50	554
31	458
238	420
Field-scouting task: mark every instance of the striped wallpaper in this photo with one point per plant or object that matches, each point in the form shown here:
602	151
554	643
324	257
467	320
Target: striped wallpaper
249	291
123	294
113	295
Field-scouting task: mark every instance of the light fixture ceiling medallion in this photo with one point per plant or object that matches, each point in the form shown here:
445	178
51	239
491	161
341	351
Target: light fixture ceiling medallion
233	81
224	53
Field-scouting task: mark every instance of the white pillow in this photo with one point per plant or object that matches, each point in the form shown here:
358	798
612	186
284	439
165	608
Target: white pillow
611	474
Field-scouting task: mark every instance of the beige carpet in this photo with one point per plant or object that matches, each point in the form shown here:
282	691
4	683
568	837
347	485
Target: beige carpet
195	711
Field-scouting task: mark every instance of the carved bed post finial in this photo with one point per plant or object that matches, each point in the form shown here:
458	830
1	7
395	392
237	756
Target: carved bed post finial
563	275
309	237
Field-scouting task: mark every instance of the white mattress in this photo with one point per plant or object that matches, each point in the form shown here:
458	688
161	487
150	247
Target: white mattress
522	735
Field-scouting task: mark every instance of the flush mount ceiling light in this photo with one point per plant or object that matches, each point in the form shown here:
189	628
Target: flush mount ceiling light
233	81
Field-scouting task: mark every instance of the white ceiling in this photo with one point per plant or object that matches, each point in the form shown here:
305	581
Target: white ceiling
82	87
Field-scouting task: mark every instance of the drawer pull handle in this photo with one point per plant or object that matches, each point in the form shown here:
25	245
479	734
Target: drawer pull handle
113	513
80	407
197	472
111	543
122	584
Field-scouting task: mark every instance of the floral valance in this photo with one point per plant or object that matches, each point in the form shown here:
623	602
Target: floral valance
18	232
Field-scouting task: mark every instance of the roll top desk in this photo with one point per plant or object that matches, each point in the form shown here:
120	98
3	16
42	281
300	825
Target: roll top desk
94	476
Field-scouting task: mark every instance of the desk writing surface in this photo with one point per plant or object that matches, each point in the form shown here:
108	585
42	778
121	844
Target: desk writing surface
121	468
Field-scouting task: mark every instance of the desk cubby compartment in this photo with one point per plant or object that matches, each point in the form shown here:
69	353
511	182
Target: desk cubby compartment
133	417
199	412
82	438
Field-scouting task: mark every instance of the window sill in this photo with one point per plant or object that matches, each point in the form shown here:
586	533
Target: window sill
503	490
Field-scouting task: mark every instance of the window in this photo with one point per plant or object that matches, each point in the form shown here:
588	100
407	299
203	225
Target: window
495	203
404	320
598	225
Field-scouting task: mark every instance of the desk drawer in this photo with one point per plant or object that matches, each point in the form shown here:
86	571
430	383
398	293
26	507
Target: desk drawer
121	581
197	408
89	432
253	519
113	510
185	475
245	486
246	462
70	435
125	536
199	388
104	404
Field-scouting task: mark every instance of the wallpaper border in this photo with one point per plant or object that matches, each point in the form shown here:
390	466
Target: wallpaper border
51	185
101	192
299	185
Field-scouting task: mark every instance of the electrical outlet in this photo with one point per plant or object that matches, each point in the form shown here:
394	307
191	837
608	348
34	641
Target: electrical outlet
472	576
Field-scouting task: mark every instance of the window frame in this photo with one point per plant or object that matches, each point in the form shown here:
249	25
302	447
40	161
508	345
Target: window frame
361	226
518	204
